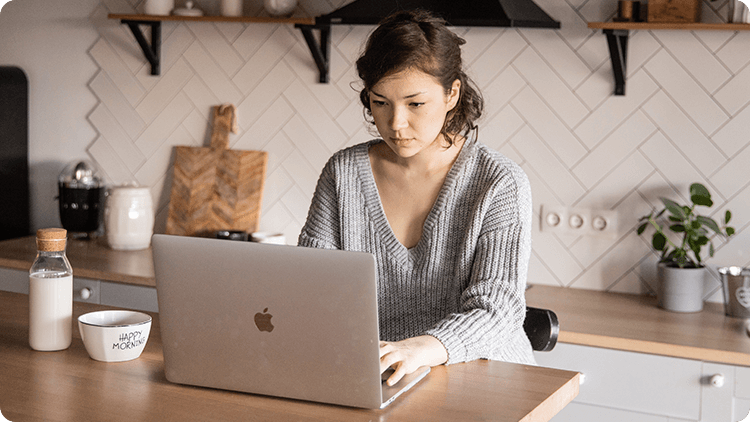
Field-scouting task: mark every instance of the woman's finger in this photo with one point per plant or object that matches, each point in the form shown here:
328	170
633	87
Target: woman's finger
385	348
398	373
389	359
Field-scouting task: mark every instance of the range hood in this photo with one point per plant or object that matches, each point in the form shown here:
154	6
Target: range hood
497	13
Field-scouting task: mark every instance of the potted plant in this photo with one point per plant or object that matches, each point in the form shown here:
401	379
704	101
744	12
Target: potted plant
681	269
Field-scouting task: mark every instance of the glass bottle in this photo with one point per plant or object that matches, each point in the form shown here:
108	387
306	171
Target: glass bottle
50	293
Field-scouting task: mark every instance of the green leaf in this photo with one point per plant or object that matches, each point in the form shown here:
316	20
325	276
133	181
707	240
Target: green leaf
642	228
695	225
697	252
675	209
659	241
677	228
660	213
711	250
699	189
730	231
701	241
675	219
727	217
700	195
710	223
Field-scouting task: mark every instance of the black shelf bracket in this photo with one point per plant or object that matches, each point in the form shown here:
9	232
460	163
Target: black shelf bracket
617	40
152	51
320	49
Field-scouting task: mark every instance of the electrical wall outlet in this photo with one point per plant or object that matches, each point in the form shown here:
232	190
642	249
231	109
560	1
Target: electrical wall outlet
578	221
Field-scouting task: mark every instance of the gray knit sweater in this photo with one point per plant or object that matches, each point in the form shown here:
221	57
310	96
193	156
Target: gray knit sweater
464	282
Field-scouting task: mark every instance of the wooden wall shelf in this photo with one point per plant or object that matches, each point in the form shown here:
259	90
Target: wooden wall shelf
617	39
683	26
244	19
319	48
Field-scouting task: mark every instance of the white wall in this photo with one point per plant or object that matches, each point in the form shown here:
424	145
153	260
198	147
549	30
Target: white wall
49	41
685	117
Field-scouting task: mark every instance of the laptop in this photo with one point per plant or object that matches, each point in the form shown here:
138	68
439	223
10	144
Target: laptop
275	320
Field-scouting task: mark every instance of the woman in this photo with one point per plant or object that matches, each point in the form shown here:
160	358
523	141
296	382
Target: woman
448	219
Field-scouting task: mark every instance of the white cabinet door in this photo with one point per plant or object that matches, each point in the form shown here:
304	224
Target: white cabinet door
129	296
741	403
16	281
107	293
717	391
635	382
578	412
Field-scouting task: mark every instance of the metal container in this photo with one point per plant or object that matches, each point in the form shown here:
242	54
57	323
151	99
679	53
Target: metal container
735	283
81	195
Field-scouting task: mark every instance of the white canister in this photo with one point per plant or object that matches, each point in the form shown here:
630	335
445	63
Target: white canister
129	218
158	7
280	7
231	7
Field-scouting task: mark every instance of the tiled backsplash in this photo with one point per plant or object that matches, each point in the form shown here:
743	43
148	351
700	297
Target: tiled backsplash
685	118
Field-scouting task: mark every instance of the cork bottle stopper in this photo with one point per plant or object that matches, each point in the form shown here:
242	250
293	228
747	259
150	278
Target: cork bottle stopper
51	240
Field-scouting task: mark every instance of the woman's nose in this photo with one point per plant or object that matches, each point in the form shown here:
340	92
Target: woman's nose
398	119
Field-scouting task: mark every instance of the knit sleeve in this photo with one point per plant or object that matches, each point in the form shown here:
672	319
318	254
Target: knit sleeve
322	228
493	306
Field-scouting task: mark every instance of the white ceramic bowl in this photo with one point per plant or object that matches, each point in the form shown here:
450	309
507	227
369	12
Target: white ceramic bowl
114	336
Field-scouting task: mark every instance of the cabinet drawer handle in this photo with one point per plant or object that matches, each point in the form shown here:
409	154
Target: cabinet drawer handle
85	293
717	380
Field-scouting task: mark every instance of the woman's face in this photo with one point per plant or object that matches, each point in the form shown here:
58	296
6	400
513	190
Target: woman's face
409	109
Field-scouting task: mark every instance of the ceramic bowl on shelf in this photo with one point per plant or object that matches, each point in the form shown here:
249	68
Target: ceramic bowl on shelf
114	336
188	10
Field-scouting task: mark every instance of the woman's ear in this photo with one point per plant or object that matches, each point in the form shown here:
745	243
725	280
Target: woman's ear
454	95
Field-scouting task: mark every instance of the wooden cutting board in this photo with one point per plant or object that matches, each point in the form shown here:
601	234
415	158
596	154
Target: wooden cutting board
215	188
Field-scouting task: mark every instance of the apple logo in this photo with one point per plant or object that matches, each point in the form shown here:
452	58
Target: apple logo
263	321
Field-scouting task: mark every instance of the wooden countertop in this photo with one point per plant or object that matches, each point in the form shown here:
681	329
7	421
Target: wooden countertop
69	386
89	259
592	318
635	323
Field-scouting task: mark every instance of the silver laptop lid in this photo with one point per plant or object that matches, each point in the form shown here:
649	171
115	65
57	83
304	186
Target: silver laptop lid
269	319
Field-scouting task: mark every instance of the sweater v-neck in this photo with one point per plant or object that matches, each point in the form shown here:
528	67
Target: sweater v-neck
374	206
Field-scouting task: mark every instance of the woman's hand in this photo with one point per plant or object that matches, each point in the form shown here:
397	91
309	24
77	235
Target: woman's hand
406	356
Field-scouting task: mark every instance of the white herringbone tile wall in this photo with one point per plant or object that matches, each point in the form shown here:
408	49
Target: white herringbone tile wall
685	118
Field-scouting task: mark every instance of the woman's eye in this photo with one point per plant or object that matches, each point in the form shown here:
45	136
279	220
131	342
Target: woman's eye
416	104
378	103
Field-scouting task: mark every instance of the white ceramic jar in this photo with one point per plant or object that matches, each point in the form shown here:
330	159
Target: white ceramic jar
158	7
129	218
280	7
231	7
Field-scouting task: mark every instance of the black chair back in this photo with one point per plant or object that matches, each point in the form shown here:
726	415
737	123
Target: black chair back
542	328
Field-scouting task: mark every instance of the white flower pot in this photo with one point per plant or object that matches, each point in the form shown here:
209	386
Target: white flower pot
680	289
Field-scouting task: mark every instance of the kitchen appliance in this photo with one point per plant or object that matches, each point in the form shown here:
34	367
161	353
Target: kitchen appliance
497	13
81	195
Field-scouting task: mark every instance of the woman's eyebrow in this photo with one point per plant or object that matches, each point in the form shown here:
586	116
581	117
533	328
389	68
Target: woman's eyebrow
408	96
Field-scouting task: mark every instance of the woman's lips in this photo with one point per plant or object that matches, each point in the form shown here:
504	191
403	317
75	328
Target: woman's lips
401	140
